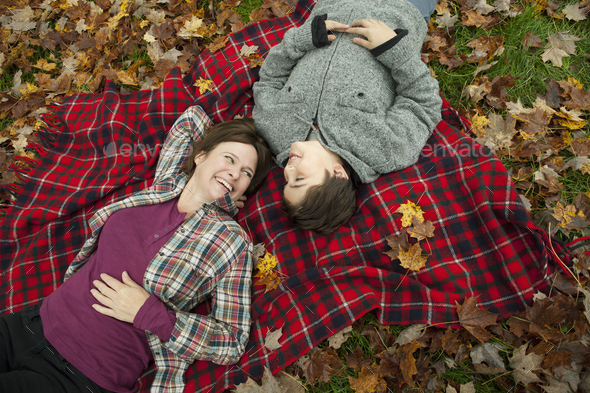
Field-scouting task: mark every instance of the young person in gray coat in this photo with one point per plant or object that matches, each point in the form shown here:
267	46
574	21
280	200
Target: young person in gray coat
341	109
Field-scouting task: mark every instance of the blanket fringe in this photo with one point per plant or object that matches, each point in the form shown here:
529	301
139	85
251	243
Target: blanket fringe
24	166
584	241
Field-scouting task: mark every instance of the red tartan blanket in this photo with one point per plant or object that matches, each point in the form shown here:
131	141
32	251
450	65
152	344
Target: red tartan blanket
485	242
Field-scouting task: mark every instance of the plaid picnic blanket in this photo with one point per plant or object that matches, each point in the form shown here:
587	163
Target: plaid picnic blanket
485	243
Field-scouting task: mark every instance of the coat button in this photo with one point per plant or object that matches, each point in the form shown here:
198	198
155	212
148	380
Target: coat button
156	235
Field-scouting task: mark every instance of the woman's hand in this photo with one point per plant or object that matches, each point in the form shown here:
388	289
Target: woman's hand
120	300
375	31
332	25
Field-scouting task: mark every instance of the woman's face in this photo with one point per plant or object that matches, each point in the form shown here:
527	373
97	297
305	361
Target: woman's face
227	168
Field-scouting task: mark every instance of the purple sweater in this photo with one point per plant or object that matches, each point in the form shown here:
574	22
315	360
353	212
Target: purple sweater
110	352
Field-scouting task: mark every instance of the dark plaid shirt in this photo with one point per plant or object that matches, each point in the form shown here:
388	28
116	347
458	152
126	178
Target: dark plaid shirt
209	255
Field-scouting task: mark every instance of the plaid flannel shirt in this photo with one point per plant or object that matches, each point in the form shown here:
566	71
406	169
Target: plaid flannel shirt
209	255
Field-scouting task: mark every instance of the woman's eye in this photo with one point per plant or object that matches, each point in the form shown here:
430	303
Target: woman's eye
248	174
299	178
230	159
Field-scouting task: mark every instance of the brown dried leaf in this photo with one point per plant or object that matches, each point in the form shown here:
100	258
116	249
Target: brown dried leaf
248	50
407	362
472	18
336	340
255	60
271	340
321	365
217	44
524	365
497	97
554	55
475	319
269	385
579	99
547	177
531	41
499	132
446	20
270	279
556	359
356	360
396	243
486	359
412	259
367	382
421	229
574	12
163	68
536	124
482	7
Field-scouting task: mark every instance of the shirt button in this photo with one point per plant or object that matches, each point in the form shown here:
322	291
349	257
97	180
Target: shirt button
182	230
161	254
156	235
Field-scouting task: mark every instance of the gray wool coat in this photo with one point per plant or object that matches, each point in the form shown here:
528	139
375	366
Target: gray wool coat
376	113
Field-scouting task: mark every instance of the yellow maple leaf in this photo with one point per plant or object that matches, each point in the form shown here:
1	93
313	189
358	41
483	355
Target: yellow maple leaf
565	214
478	123
45	65
585	169
204	85
412	259
409	210
126	78
572	125
114	21
574	82
567	138
29	90
265	264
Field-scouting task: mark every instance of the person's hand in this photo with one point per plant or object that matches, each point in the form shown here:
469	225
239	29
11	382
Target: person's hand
332	25
375	32
240	202
120	300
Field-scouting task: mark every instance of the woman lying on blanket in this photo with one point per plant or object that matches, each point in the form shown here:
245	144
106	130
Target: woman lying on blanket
337	115
178	241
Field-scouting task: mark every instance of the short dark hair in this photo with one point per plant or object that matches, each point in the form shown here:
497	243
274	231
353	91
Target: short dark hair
236	130
325	206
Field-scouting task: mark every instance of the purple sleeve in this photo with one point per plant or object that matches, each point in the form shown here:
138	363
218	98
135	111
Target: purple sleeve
154	317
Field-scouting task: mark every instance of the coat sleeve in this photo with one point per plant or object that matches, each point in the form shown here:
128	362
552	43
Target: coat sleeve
189	127
417	107
274	74
222	335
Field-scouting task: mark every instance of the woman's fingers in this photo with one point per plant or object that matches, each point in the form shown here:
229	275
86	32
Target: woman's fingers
103	288
100	297
335	26
375	32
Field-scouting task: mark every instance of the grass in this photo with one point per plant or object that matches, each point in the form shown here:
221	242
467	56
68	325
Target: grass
517	61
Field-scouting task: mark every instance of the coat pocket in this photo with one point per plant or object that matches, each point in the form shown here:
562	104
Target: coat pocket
358	99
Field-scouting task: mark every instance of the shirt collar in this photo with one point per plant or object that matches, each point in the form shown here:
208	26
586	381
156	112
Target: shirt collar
226	203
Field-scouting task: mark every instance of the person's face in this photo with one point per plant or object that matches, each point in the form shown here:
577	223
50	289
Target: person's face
307	166
227	168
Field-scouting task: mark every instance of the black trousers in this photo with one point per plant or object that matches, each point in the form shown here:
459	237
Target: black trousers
29	364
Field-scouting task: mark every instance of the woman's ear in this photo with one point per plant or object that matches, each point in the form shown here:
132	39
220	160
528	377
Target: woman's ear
339	171
199	158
